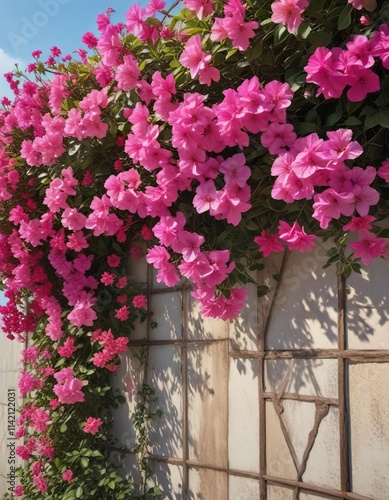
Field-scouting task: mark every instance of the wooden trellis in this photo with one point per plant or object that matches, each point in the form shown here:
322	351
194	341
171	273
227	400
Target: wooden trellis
260	384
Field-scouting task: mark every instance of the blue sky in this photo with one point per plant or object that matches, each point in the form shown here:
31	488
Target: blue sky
28	25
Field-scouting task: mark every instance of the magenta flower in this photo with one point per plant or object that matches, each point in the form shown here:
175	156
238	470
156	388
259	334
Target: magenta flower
361	225
68	348
288	13
369	247
92	425
67	476
278	138
202	7
68	388
107	278
268	243
122	313
362	81
139	301
295	237
320	70
198	61
206	197
239	31
383	171
128	74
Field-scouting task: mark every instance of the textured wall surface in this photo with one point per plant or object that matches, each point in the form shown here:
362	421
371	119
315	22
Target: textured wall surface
289	401
9	398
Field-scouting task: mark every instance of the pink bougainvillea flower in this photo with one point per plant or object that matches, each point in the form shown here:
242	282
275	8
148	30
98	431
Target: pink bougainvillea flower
188	244
364	198
239	31
107	278
320	70
198	61
362	81
40	420
146	233
295	237
121	282
40	482
202	7
122	313
68	388
128	74
330	205
68	348
92	425
206	197
339	146
368	5
369	247
383	171
67	475
235	169
19	490
288	13
268	243
109	46
139	301
278	138
113	260
361	225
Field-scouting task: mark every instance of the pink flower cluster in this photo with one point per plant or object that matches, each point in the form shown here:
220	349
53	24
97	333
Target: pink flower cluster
233	25
68	388
294	237
111	348
335	69
316	169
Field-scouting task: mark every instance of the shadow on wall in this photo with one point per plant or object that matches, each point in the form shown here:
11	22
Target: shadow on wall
302	316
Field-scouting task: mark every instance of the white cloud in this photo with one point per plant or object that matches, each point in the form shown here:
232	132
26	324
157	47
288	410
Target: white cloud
7	63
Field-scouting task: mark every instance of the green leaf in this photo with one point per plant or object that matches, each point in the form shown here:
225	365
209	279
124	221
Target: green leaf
382	99
280	33
371	120
85	462
96	453
332	119
344	20
253	52
112	485
383	117
231	53
304	29
352	121
79	492
319	39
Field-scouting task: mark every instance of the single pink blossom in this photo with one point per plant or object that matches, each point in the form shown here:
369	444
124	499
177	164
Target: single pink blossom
67	476
383	171
369	247
68	348
139	301
288	13
360	225
268	243
122	313
92	425
295	237
121	282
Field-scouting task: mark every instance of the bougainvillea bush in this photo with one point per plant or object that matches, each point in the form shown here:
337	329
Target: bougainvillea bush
204	140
